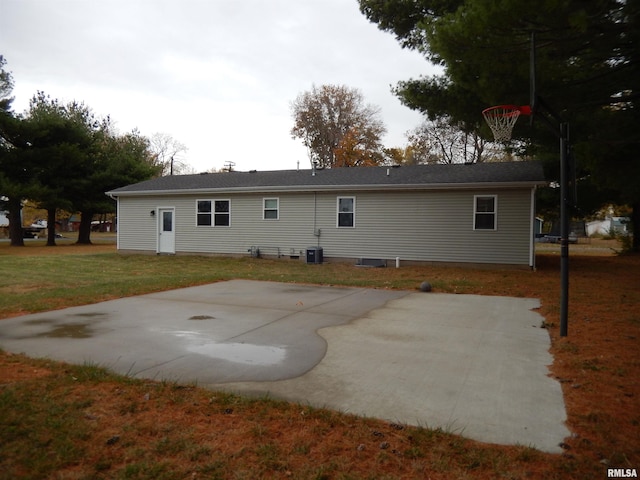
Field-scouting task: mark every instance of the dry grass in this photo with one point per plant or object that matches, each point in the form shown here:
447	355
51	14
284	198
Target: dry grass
88	424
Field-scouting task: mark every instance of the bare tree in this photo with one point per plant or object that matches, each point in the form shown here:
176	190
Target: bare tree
169	154
439	141
337	127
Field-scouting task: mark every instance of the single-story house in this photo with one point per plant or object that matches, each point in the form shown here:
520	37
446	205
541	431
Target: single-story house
609	226
72	224
479	213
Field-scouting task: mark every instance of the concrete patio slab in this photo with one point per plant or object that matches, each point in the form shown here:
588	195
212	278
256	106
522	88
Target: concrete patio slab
469	364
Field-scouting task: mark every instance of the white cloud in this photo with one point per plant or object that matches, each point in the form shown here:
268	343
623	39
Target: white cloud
217	75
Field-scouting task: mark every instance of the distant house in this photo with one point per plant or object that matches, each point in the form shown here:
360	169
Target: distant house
4	225
4	215
72	224
608	226
472	214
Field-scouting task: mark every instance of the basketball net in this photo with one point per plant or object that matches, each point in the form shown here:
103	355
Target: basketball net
502	118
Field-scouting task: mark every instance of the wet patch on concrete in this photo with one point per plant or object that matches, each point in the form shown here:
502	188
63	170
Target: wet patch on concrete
89	314
201	317
40	321
79	325
68	330
295	290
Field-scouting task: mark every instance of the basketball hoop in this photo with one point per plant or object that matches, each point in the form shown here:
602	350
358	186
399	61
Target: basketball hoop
502	118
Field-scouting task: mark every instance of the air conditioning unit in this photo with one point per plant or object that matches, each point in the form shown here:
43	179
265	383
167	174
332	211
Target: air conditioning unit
314	255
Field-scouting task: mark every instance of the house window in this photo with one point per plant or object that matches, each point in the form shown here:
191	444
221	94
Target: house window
167	221
346	211
485	212
270	209
222	213
204	213
215	213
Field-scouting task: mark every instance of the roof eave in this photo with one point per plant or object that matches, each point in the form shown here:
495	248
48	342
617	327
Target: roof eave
328	188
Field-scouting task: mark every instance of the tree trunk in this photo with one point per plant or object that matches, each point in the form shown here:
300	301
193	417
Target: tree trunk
84	231
51	227
103	222
15	222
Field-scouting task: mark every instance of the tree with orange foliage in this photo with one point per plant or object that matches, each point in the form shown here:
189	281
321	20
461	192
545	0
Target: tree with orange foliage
337	127
353	151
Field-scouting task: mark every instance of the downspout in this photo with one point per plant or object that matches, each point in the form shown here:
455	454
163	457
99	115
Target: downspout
116	225
316	231
532	226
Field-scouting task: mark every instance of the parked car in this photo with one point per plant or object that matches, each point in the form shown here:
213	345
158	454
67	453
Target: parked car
573	238
32	231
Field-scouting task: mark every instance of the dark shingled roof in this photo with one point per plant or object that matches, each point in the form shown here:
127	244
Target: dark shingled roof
411	176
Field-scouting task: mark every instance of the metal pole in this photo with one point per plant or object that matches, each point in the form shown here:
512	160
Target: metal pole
564	229
537	102
533	93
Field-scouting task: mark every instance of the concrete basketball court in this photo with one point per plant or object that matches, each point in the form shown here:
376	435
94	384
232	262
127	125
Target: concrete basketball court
469	364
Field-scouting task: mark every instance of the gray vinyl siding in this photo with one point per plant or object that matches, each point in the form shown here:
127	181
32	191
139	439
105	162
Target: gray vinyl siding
431	225
293	229
137	229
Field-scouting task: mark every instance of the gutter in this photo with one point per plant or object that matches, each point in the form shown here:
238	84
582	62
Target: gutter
327	188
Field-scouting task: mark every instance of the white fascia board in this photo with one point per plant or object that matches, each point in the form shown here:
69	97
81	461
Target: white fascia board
328	188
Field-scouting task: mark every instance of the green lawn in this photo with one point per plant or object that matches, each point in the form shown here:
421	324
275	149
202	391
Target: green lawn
35	283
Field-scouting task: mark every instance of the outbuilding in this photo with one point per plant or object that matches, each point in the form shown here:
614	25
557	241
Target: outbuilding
460	213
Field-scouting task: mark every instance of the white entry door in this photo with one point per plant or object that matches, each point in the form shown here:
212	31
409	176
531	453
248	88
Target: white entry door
166	231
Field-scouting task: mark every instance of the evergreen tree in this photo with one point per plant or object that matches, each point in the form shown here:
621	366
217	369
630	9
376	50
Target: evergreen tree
587	69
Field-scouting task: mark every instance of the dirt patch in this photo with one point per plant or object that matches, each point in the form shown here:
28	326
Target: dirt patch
13	368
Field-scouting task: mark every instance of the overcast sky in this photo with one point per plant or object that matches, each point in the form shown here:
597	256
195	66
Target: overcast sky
216	75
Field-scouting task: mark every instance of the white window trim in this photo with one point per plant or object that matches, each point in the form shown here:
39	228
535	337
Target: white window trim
338	212
213	212
264	208
213	223
495	213
198	200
